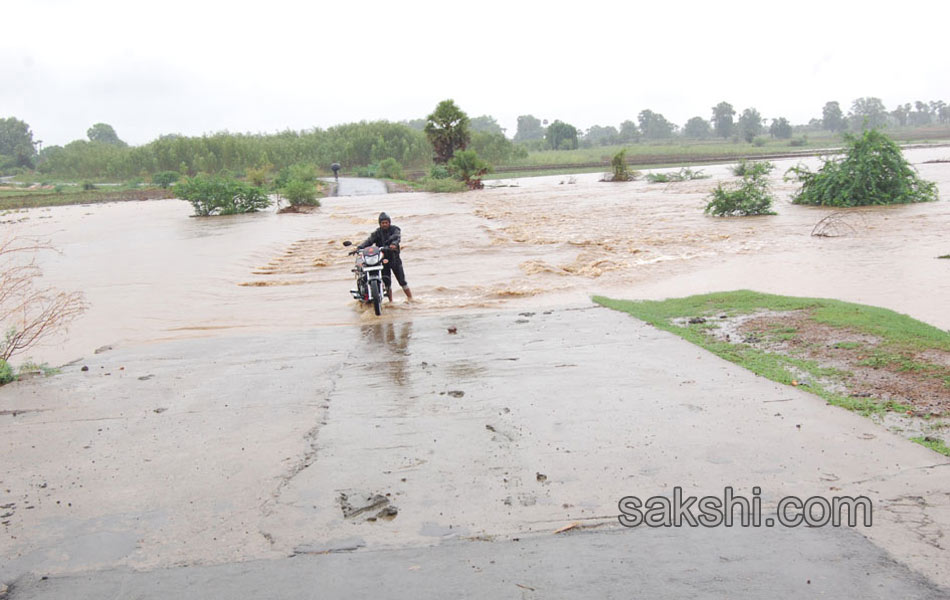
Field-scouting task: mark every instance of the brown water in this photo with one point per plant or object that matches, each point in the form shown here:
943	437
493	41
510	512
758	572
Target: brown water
150	272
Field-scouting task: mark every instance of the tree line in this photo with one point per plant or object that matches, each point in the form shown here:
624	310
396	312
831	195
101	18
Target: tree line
104	155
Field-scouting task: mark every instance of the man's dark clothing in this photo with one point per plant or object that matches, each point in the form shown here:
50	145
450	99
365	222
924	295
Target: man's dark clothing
384	238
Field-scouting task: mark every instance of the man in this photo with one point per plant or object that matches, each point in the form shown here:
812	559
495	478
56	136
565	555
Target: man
335	167
388	237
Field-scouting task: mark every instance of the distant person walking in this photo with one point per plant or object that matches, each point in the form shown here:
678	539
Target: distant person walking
335	167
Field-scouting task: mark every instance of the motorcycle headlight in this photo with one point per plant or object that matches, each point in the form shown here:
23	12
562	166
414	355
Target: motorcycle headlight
372	260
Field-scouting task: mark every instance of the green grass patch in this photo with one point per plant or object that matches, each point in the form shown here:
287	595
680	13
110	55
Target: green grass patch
932	443
944	256
899	333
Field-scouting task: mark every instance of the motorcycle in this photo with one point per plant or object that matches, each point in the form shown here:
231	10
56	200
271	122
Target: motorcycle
369	275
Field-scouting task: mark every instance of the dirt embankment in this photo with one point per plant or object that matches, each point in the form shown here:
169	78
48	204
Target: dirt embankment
856	364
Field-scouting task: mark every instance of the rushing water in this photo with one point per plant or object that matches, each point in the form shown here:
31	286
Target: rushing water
151	272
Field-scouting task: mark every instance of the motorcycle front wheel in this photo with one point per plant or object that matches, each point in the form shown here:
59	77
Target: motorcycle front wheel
376	293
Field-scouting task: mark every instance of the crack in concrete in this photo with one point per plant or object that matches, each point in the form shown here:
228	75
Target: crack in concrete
309	456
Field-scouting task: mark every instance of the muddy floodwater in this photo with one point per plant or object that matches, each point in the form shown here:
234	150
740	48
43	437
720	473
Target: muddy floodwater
151	272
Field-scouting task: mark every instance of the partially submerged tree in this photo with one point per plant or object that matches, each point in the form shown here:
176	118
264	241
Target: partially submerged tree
29	314
218	195
468	167
447	130
873	171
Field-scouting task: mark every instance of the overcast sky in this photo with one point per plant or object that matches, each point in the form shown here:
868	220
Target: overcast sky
173	66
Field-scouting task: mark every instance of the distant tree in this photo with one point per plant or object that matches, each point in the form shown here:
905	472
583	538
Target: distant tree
697	128
561	136
486	124
750	124
495	147
629	132
602	136
921	115
529	128
780	129
832	119
868	113
943	113
722	119
417	124
447	130
103	132
654	126
901	114
17	148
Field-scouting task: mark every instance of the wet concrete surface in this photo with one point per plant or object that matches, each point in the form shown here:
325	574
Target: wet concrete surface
797	563
200	466
359	186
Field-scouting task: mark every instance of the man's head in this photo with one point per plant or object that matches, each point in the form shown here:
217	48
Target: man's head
384	220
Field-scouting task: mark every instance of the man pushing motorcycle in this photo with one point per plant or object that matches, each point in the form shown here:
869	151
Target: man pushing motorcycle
388	237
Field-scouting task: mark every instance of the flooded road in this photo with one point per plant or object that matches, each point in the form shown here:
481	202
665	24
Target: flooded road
150	272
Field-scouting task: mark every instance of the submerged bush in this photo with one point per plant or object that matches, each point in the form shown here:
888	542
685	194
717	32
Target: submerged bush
217	195
872	172
684	174
743	166
619	165
751	197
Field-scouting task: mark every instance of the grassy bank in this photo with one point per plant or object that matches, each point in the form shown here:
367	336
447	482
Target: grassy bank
863	358
15	198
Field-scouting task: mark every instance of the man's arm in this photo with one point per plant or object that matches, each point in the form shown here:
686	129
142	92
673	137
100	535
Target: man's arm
395	236
369	241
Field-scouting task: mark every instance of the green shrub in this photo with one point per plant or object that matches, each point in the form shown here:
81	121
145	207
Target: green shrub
216	195
300	193
6	372
872	172
468	167
743	167
750	197
390	168
798	141
439	172
164	179
58	188
88	186
758	141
